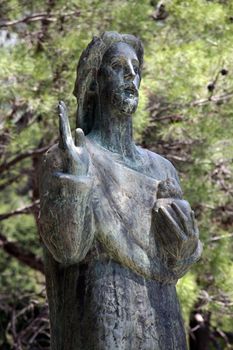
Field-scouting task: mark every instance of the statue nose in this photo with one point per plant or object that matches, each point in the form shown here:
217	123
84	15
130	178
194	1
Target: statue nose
129	72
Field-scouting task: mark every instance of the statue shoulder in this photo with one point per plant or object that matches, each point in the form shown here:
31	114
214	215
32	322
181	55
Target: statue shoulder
161	165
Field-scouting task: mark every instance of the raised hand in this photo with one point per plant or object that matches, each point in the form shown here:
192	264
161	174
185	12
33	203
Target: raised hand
75	155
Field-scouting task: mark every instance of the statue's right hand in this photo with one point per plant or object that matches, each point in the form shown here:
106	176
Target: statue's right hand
75	155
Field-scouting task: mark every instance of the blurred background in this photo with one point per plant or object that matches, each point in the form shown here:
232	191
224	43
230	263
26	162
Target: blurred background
185	114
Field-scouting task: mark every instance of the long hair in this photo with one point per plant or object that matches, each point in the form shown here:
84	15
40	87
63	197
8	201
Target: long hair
85	89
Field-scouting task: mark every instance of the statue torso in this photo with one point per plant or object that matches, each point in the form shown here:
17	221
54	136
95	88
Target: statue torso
123	199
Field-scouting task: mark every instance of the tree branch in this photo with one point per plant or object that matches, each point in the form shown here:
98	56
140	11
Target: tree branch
214	99
26	257
32	18
217	238
25	210
50	17
6	165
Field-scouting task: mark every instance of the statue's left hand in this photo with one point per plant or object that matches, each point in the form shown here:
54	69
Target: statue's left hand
176	228
184	227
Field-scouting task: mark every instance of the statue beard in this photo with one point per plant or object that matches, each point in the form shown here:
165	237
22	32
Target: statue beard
125	99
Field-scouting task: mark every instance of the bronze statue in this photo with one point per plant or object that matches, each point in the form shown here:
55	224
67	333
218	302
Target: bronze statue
117	234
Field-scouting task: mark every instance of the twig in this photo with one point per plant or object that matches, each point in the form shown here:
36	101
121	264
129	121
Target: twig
215	99
50	17
219	333
217	238
27	321
179	159
5	166
32	18
32	327
25	210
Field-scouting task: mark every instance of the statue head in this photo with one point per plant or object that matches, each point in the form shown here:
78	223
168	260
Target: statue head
109	70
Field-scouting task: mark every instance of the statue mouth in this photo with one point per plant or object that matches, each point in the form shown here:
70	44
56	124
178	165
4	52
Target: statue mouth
130	91
126	98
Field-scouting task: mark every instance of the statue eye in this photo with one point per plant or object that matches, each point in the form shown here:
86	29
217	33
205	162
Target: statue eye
116	65
136	69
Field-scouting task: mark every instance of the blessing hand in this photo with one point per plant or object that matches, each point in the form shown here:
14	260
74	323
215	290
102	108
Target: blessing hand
75	155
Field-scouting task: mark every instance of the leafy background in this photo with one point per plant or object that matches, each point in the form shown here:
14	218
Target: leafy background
185	114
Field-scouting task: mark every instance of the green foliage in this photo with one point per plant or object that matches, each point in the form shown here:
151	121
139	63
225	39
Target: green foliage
187	289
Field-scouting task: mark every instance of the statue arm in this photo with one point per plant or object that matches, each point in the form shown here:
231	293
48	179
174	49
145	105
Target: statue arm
66	218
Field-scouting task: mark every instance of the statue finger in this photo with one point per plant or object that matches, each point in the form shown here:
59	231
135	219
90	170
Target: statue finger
182	217
80	140
64	127
63	105
62	108
171	223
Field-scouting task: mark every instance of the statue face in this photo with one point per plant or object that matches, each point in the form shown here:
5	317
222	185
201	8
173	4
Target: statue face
119	78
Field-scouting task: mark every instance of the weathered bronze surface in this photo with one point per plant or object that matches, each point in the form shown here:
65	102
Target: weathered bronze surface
117	234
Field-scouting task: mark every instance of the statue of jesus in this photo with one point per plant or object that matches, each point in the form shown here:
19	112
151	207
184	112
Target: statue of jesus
117	234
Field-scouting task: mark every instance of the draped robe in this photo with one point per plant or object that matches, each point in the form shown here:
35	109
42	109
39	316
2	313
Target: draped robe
109	286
